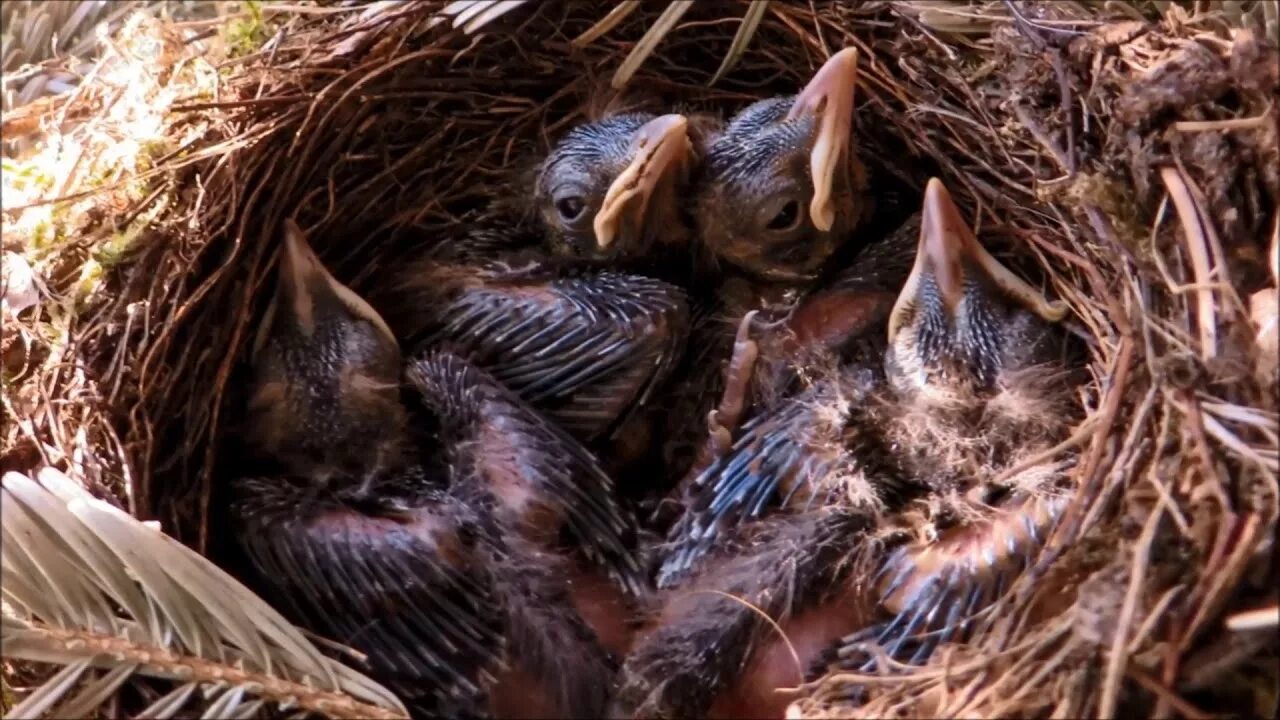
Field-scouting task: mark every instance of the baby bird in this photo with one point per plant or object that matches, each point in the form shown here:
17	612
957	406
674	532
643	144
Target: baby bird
567	576
461	542
981	389
938	435
610	190
343	525
585	345
781	188
779	191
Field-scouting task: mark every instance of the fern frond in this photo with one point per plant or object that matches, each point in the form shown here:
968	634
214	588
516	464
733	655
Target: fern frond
472	15
89	587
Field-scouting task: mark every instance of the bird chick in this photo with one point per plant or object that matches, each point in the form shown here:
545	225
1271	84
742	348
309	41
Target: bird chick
583	344
326	388
724	644
781	188
460	541
779	191
937	433
342	526
981	390
568	575
610	190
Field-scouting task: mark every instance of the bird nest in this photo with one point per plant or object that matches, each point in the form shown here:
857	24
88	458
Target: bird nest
1128	150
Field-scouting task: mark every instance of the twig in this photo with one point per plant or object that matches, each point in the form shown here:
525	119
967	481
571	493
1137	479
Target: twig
1249	123
1165	694
1258	619
1194	234
1117	657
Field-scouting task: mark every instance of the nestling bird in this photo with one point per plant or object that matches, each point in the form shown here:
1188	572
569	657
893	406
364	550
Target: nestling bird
445	530
610	190
981	388
781	188
779	191
939	436
568	577
583	344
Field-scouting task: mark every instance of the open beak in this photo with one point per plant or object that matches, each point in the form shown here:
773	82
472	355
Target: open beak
829	96
659	147
948	251
303	286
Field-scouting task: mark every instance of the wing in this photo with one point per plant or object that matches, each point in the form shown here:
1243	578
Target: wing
881	266
707	631
409	591
542	479
935	592
812	450
585	347
548	634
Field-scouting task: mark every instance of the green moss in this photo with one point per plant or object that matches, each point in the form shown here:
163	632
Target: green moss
25	176
245	35
90	276
153	150
110	252
7	698
42	236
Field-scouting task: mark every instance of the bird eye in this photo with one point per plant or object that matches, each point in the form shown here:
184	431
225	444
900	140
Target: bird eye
787	217
570	208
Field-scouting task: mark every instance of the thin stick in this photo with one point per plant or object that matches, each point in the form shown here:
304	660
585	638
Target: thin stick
795	656
1195	236
1137	574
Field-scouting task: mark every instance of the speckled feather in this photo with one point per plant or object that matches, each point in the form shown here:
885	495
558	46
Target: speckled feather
810	452
958	403
935	592
709	629
541	479
401	578
808	435
584	346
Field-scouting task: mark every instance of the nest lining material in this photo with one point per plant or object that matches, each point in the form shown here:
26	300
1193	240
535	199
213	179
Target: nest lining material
1132	159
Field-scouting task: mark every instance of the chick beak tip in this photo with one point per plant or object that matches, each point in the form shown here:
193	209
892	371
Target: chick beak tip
945	238
949	248
830	95
298	261
660	145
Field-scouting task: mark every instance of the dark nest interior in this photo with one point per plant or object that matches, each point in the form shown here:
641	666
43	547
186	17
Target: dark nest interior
1126	157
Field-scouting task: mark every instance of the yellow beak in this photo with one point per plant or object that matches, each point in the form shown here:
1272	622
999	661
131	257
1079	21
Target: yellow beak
303	281
829	95
659	147
948	249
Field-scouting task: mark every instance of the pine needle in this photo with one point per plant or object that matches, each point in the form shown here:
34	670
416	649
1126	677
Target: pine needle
607	23
741	39
656	33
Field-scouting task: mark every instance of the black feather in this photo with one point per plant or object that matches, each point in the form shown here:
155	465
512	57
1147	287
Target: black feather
494	437
409	589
